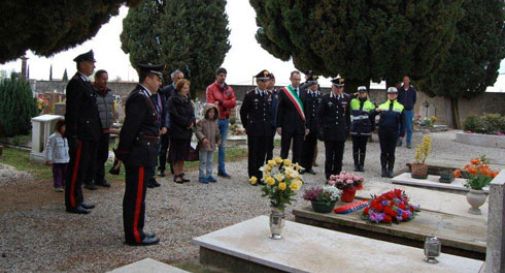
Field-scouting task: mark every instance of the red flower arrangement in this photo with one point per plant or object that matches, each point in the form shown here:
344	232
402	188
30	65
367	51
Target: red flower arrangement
390	207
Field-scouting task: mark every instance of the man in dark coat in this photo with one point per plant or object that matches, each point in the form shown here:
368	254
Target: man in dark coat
291	118
255	114
311	105
334	125
83	132
138	148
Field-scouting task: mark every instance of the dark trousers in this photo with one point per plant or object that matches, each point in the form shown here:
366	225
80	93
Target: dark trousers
309	150
82	156
257	151
388	139
270	146
297	146
359	149
134	202
165	143
334	156
102	155
59	174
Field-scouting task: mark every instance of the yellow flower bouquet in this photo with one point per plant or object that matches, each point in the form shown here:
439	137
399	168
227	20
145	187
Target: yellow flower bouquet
281	180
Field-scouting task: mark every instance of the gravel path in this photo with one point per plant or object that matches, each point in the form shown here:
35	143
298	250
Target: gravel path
41	237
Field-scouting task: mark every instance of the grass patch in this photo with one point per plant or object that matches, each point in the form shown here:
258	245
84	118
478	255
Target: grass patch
194	266
20	159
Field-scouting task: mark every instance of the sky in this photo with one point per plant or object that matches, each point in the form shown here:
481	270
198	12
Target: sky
245	58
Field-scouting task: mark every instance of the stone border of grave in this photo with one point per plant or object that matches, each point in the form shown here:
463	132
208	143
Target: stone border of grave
492	141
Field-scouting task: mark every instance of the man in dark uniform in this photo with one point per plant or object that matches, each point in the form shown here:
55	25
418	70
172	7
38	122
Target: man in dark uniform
138	148
273	93
291	118
166	92
256	117
311	106
83	132
334	126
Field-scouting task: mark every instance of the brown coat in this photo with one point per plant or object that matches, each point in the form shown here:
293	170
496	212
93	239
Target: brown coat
208	129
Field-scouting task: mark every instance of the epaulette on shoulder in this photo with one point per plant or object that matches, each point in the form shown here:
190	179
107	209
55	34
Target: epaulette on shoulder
250	91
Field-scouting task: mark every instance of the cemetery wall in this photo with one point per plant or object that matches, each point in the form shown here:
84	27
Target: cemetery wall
426	106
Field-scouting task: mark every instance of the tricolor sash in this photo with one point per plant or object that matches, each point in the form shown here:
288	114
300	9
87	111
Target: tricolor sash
295	99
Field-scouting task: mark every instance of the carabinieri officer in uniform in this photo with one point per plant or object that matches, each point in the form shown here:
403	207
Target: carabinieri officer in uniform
311	103
334	125
256	116
83	132
138	147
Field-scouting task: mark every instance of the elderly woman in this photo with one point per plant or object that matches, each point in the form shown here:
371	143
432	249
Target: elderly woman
182	120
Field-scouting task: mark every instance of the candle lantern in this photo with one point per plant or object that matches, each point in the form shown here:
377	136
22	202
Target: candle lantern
432	247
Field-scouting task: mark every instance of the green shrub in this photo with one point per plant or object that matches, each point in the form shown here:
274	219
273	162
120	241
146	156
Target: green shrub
17	107
485	124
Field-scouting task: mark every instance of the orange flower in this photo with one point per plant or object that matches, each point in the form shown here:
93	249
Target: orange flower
494	174
472	170
475	161
456	173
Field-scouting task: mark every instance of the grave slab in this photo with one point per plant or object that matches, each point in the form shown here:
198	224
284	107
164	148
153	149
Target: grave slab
148	265
311	249
431	182
437	201
459	235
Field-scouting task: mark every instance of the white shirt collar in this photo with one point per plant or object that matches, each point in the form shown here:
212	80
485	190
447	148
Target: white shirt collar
149	93
83	77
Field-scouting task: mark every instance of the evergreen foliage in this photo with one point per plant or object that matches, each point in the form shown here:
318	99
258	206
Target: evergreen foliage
17	106
187	35
47	27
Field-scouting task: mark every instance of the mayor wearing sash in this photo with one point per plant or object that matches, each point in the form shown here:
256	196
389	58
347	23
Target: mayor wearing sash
291	118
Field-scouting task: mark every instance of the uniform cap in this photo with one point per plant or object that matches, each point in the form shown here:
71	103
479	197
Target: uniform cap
88	56
149	68
263	75
312	79
338	81
392	90
361	88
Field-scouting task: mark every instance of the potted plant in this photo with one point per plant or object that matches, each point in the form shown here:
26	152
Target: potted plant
281	181
419	169
446	176
347	182
479	176
323	198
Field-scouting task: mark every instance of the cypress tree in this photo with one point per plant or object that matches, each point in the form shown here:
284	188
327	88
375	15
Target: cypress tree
187	35
474	57
47	27
17	106
361	40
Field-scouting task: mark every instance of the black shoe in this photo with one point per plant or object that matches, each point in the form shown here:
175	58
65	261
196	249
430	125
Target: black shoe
149	234
224	175
90	186
178	179
162	173
311	171
78	210
356	168
87	206
146	241
361	168
390	173
384	173
104	184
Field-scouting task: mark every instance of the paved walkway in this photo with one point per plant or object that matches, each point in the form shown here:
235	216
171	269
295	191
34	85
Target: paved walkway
43	238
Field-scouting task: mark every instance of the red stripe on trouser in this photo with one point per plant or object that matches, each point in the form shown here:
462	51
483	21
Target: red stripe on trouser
138	205
75	172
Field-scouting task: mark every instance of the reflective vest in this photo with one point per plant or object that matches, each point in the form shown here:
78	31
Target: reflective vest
361	123
391	119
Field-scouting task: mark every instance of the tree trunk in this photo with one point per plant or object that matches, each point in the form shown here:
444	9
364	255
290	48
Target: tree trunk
455	113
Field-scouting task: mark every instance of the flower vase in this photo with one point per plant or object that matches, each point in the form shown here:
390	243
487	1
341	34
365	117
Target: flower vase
476	198
323	207
348	194
276	223
419	170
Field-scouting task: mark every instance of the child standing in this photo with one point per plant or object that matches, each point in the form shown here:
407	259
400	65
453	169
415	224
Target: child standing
57	155
207	132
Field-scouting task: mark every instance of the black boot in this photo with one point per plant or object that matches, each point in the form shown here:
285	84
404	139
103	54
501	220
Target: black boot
362	162
356	162
384	172
391	165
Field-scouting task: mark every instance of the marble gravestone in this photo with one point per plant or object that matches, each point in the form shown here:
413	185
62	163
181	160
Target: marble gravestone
495	253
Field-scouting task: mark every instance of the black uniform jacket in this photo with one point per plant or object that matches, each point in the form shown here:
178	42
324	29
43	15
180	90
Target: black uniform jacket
311	106
256	113
288	117
139	137
334	117
81	116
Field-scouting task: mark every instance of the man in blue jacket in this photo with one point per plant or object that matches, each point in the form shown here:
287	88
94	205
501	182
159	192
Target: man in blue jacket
407	97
